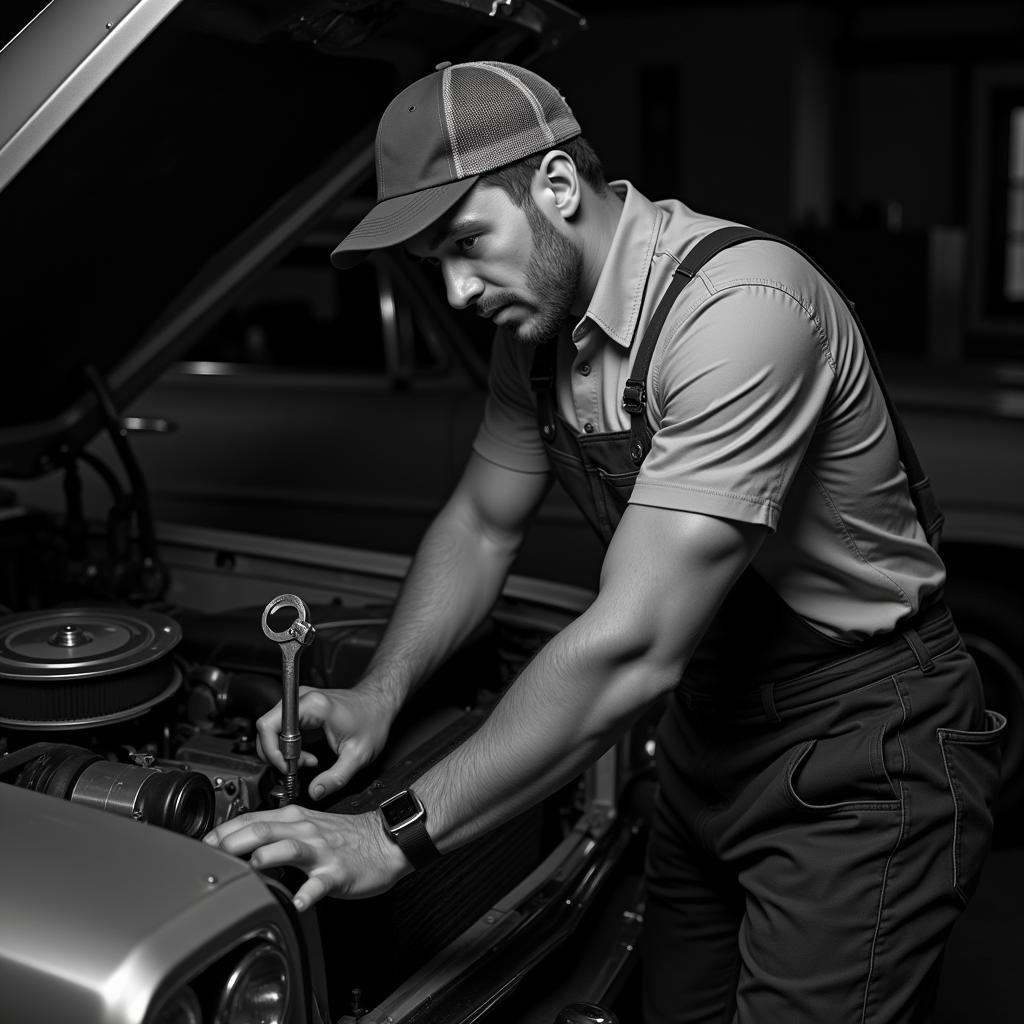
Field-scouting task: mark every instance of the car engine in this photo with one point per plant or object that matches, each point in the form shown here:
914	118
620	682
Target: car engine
104	706
153	716
145	707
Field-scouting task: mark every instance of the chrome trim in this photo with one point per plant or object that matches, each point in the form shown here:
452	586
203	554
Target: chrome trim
231	987
269	934
80	956
320	557
58	61
573	858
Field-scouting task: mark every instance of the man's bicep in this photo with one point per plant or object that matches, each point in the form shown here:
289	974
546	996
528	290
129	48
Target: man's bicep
499	500
668	571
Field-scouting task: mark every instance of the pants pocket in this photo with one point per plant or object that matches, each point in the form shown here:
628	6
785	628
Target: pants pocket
842	773
972	764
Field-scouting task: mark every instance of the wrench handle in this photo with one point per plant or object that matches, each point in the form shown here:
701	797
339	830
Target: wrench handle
293	640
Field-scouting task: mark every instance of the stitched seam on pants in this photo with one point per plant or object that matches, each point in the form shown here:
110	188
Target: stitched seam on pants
892	853
957	794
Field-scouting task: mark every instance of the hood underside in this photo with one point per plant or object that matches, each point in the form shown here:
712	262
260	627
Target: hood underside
147	154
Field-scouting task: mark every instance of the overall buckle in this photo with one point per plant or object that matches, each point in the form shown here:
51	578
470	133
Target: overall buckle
541	380
634	397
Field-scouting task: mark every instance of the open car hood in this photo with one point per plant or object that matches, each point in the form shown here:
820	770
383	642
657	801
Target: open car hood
156	153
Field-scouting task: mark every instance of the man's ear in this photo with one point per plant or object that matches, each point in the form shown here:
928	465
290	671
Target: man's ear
558	184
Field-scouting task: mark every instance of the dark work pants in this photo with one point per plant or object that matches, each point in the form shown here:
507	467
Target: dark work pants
815	841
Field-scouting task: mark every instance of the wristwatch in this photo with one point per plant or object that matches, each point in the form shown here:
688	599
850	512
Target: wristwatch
404	820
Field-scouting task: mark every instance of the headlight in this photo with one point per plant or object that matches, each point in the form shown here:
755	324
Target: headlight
257	989
182	1008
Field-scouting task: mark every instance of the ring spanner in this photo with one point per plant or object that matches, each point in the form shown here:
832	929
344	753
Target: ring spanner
293	641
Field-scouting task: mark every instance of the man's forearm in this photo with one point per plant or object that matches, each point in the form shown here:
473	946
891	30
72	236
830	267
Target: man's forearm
573	700
663	578
453	581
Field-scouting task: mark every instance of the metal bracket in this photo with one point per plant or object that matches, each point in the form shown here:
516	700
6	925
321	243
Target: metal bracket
505	6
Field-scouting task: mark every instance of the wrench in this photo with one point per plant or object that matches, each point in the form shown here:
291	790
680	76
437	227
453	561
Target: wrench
293	641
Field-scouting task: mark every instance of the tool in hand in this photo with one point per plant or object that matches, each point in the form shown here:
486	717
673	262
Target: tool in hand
293	641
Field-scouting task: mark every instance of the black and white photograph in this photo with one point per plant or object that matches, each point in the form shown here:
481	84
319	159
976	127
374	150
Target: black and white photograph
511	512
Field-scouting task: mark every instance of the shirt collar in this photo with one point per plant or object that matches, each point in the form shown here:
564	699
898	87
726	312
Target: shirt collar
618	298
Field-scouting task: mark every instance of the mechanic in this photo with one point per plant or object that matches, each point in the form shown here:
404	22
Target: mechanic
826	766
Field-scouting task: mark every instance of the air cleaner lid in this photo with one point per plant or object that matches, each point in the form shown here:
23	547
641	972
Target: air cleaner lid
67	668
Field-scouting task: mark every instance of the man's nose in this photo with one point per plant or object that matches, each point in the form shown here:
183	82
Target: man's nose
463	287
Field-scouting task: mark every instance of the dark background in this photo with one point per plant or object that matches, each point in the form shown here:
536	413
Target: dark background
866	130
877	136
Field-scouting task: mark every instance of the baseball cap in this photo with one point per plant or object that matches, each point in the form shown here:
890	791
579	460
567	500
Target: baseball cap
441	133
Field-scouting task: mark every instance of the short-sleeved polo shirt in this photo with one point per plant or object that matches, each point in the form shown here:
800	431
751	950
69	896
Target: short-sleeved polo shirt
763	407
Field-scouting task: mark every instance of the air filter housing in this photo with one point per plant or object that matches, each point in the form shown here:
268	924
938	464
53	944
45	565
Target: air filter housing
69	668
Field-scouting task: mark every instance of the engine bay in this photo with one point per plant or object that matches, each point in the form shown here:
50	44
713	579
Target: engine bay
145	706
153	716
119	708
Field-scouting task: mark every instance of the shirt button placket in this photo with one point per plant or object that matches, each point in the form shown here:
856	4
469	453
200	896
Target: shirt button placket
586	396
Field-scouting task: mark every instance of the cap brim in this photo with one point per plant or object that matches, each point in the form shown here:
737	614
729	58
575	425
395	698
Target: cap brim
396	220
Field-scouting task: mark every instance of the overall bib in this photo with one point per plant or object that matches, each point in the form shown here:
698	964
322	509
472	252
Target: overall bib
823	808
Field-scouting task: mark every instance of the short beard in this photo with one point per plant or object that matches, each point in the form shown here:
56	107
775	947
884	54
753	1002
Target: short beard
553	276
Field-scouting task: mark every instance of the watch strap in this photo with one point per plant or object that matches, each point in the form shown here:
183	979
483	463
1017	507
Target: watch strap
411	836
415	842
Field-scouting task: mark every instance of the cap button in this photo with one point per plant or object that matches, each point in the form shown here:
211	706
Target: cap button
444	64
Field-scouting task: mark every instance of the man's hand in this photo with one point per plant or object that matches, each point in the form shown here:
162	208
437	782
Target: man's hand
355	723
343	855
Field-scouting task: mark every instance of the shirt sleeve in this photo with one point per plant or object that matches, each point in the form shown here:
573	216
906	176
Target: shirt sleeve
740	381
508	434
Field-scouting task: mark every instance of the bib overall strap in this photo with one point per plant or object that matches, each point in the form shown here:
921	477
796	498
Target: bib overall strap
634	395
542	382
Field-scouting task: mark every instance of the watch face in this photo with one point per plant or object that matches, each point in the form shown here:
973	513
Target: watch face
400	810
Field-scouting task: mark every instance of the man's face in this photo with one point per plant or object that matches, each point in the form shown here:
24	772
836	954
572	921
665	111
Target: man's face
510	264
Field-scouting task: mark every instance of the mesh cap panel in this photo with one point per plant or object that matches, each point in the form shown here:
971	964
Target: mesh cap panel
498	114
441	133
